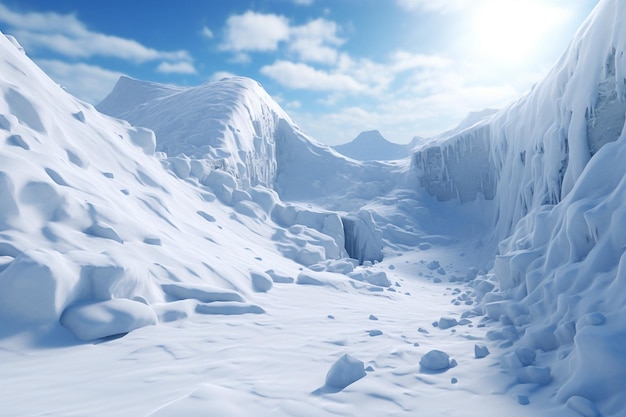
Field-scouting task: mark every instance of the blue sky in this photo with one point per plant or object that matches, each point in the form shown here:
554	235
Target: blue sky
338	67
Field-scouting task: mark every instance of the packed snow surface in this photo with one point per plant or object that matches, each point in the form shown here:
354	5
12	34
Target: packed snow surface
231	263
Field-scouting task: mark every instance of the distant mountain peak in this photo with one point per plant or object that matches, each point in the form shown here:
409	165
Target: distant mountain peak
371	145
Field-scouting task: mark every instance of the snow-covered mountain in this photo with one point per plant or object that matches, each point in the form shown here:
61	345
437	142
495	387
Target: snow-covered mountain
372	146
105	229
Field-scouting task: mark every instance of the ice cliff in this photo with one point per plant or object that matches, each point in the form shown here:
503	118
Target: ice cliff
553	163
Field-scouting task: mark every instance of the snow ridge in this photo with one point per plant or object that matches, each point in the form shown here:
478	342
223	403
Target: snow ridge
229	124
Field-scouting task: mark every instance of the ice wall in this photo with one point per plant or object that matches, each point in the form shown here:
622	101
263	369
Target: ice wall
532	152
557	158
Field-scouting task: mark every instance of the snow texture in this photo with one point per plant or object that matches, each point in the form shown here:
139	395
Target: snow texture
190	241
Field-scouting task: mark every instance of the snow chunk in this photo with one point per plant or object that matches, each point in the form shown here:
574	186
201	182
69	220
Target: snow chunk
228	309
435	360
344	372
480	351
378	278
447	322
95	320
37	286
363	241
202	293
319	278
261	282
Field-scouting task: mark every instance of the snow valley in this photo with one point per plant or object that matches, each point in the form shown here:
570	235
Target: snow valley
191	251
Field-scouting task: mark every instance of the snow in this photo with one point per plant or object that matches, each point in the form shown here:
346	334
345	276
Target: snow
344	372
95	320
435	360
212	256
372	146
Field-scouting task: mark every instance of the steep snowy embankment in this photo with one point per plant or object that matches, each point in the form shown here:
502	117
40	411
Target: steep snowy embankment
94	232
533	152
555	160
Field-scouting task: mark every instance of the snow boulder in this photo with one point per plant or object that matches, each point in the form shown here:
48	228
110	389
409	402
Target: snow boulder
480	351
435	360
202	293
261	282
344	372
378	278
95	320
37	286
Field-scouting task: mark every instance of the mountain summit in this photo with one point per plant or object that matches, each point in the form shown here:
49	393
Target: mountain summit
372	146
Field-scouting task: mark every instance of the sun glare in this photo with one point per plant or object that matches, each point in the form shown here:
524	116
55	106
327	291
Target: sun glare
511	30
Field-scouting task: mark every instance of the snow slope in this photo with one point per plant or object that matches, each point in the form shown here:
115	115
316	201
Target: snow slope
372	146
553	162
90	217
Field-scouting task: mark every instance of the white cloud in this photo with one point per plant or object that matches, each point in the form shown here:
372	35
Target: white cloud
254	32
441	6
176	68
66	35
304	77
207	33
316	41
87	82
404	61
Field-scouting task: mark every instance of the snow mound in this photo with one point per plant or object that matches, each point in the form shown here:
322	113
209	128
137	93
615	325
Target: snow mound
95	320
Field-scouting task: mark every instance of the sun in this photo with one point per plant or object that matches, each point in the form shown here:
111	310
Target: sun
513	30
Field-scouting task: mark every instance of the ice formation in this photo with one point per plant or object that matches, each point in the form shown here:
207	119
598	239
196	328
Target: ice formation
553	162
